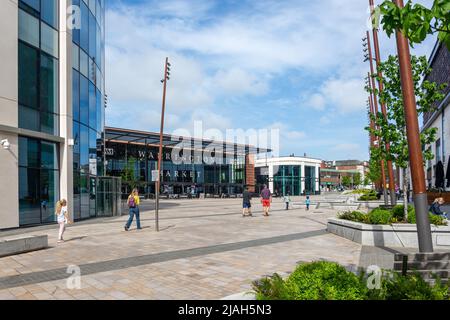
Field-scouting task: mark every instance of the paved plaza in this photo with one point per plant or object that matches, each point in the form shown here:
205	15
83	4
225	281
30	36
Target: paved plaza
205	250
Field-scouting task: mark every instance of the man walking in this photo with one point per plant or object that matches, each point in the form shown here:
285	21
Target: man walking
266	199
246	203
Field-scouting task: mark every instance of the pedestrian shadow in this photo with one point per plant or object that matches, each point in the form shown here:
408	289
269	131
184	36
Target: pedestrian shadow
75	238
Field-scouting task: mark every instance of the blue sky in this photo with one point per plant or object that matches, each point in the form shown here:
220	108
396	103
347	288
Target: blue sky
296	66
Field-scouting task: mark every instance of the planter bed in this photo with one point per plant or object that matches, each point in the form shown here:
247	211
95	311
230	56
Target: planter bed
394	235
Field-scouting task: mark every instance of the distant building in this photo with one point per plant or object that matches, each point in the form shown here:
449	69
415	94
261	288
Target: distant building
332	172
440	118
293	175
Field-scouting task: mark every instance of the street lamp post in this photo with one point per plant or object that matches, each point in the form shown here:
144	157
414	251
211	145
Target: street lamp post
375	103
158	178
383	105
414	144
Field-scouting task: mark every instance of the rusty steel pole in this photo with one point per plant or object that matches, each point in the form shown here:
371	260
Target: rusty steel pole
161	133
375	103
383	106
414	144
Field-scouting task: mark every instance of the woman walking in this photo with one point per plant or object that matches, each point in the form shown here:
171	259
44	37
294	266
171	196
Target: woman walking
62	217
133	205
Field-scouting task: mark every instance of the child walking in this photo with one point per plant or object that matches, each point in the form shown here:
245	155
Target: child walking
287	200
307	202
62	217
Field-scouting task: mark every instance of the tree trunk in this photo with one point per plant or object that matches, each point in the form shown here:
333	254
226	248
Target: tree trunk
405	192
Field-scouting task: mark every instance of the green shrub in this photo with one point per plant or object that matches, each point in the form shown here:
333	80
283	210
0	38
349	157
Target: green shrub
379	216
356	216
394	286
324	281
397	211
368	198
437	220
434	219
270	288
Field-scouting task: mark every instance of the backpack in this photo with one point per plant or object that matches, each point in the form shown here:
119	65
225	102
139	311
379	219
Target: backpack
131	202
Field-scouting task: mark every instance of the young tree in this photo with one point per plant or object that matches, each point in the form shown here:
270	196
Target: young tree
357	179
393	128
416	21
346	181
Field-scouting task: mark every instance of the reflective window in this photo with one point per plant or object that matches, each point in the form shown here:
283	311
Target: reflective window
84	64
76	32
49	123
28	76
29	118
76	138
75	57
33	4
84	100
76	95
84	149
92	106
49	12
92	6
49	155
38	181
84	32
49	40
92	36
28	28
49	84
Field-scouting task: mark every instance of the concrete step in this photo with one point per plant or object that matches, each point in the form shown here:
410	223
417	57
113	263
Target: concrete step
424	265
441	256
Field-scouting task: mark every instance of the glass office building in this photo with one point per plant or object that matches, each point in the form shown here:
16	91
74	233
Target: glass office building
133	155
51	107
88	83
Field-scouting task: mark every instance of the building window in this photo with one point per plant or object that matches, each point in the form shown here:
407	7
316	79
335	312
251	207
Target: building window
438	150
38	181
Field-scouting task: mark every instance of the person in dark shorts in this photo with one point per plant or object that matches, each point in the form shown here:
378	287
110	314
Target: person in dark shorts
266	199
246	203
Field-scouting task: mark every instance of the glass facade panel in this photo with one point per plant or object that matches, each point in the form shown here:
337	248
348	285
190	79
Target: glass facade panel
35	4
49	12
84	31
28	28
76	32
49	84
29	118
92	106
84	64
28	76
38	181
49	40
84	149
76	95
84	100
49	123
75	57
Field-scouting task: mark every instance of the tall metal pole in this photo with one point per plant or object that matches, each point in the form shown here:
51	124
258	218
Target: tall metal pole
158	180
371	113
375	102
414	144
383	106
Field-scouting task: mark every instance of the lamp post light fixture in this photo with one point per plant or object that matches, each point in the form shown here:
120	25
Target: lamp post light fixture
383	105
368	57
158	178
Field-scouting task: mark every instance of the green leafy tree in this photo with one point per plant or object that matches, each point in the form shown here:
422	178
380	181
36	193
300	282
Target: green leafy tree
374	173
129	174
346	181
393	128
357	179
416	21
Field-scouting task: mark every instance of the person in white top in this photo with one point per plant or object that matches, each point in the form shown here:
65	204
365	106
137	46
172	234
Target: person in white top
62	217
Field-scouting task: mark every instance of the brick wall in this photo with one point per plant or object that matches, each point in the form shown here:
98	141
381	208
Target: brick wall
250	172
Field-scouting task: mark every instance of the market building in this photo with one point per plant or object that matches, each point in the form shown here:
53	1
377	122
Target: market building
210	168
